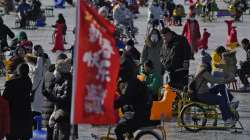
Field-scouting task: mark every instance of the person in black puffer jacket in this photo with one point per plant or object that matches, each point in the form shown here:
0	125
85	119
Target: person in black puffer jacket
174	56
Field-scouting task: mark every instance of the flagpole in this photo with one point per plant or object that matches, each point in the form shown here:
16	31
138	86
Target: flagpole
76	43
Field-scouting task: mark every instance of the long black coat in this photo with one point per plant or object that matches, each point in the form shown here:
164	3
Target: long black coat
4	32
136	95
17	92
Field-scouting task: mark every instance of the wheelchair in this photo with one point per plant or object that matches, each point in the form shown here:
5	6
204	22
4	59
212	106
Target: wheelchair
146	132
152	129
194	115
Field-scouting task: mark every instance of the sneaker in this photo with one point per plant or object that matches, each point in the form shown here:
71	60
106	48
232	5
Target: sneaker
229	123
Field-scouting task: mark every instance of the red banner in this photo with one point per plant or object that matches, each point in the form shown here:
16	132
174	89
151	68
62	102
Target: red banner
96	69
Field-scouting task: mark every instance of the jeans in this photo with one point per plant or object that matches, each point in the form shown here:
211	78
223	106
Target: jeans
212	98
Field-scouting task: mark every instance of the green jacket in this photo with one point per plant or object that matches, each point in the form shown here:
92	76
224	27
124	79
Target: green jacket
153	81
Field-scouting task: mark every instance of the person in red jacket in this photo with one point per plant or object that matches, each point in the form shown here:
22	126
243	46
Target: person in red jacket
204	40
59	34
232	41
191	31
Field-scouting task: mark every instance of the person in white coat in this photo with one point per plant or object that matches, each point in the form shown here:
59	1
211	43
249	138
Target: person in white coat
41	67
155	14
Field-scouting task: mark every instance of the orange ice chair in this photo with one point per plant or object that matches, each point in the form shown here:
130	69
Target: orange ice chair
162	110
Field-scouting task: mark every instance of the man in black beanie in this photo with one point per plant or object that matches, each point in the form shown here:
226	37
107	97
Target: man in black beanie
174	56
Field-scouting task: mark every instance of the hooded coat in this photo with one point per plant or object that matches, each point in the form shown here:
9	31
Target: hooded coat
151	51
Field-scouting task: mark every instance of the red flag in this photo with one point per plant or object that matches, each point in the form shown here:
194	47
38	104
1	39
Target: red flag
96	69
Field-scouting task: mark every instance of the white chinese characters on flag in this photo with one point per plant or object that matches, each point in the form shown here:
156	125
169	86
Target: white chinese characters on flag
96	69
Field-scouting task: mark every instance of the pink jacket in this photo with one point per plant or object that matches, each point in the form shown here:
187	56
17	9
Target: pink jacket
192	36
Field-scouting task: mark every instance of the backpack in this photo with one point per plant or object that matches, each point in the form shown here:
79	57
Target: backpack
192	87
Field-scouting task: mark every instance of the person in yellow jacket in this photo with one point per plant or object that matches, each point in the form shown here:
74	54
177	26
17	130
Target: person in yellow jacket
217	58
178	13
5	66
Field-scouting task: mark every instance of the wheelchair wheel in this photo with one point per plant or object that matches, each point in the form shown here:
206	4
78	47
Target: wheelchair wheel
193	117
175	103
147	135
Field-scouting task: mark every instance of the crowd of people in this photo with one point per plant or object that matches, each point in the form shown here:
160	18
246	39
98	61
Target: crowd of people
45	87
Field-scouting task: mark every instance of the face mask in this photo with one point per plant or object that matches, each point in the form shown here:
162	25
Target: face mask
154	38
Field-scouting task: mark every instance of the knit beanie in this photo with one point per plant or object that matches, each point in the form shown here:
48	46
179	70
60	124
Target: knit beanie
22	36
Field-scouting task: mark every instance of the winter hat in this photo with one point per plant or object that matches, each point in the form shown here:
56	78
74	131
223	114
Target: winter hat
61	56
205	57
22	36
63	66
